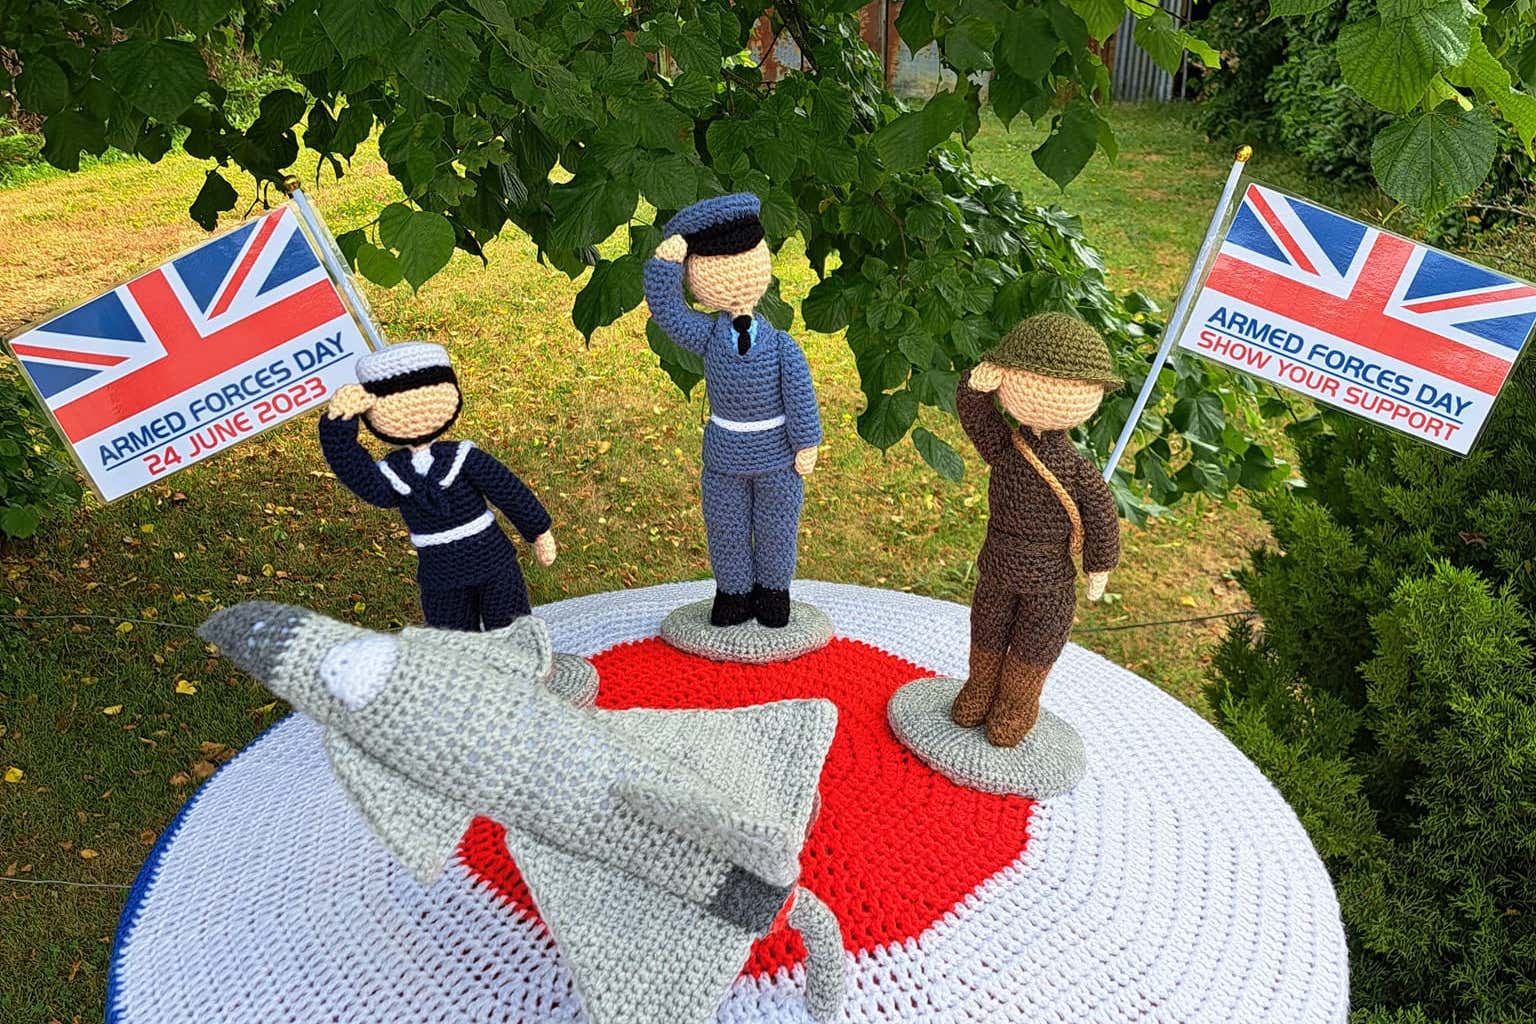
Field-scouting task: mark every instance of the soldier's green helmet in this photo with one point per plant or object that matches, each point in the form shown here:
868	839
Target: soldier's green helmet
1056	345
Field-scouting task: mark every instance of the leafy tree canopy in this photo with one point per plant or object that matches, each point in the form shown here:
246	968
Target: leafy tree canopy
1456	75
560	117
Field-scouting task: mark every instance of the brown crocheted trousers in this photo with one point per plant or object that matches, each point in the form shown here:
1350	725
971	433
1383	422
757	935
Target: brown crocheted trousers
1032	625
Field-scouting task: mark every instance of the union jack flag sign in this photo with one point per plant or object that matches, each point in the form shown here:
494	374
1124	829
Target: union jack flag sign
1359	318
204	351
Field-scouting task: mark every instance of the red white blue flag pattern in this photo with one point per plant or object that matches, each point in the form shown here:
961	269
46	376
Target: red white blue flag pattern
1359	318
200	353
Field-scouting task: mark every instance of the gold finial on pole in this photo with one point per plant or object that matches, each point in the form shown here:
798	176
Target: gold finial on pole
291	183
1244	154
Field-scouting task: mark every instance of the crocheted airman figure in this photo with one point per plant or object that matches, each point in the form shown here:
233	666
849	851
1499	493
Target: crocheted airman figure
1046	504
408	395
764	427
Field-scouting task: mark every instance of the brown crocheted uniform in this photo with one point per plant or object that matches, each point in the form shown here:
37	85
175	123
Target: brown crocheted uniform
1025	597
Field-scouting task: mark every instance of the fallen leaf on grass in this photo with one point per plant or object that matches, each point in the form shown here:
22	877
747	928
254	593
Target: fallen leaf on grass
115	709
180	779
125	627
148	837
88	854
186	687
1187	601
14	775
203	769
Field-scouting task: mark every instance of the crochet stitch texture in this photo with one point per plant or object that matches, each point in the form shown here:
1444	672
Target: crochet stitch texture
638	831
474	580
1172	884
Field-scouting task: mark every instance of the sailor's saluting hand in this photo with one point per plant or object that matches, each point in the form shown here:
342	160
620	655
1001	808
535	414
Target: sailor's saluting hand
349	400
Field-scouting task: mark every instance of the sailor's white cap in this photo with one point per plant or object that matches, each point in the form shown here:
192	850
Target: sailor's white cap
400	359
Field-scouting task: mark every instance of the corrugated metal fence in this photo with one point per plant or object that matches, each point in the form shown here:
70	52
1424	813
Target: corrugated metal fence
1133	76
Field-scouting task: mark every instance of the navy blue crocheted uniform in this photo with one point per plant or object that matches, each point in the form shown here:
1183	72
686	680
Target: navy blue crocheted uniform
466	567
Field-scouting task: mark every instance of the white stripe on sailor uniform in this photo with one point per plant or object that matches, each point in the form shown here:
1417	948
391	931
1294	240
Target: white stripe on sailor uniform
458	463
400	486
463	530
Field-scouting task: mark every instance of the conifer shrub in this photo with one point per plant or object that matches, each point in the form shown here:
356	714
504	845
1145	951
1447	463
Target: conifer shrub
1390	694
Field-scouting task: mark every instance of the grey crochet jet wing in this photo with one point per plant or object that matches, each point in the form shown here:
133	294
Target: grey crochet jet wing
638	954
421	828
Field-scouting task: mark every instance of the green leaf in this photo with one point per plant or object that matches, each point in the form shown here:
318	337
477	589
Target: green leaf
1067	150
215	197
1519	109
1427	161
826	308
887	418
19	521
379	265
938	454
588	209
297	41
667	180
440	55
906	142
915	24
43	87
1157	35
1296	8
392	221
425	244
1390	60
693	52
1070	28
685	368
1029	44
1200	416
832	111
68	133
1101	16
772	306
615	288
198	16
414	10
161	77
358	27
968	44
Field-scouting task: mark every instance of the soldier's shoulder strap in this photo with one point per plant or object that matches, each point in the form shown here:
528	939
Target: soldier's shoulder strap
1062	495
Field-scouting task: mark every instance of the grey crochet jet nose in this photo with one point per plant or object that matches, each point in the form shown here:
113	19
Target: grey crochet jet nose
254	634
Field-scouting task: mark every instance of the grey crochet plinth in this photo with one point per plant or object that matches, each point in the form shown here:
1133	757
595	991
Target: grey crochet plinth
688	629
575	680
1048	762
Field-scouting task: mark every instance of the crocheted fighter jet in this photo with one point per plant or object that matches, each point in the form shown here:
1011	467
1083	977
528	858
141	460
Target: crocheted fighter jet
657	845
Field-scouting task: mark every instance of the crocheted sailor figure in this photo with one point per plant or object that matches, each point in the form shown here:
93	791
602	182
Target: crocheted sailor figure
408	395
764	426
1046	503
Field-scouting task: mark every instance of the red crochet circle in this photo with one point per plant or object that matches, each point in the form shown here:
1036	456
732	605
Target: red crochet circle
896	846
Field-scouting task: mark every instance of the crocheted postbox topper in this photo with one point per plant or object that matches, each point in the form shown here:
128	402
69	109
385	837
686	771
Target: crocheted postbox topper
657	845
408	395
1046	504
764	427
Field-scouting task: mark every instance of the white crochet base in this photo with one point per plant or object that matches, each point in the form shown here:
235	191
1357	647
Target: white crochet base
1172	884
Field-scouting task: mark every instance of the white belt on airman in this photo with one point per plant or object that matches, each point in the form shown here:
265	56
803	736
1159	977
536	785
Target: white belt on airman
463	530
746	426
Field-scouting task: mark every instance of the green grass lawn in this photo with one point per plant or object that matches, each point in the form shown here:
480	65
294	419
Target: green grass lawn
112	727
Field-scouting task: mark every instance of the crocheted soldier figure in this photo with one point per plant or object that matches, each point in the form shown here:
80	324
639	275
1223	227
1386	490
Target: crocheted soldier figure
764	426
1046	504
408	395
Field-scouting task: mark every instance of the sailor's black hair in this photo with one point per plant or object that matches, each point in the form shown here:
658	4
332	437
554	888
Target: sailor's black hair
426	376
726	238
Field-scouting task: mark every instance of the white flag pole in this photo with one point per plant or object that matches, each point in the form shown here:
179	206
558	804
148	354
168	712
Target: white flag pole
331	256
1180	311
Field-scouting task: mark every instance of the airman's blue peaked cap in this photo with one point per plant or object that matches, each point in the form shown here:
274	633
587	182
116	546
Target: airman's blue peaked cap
721	225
